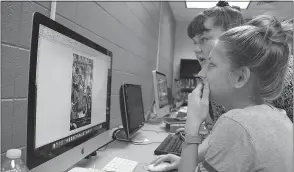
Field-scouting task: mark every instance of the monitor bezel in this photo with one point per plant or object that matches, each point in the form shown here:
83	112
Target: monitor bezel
128	131
32	154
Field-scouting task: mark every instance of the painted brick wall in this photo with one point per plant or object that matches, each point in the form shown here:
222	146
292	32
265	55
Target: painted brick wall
167	43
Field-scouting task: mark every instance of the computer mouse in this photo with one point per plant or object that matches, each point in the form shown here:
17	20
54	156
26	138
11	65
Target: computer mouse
159	167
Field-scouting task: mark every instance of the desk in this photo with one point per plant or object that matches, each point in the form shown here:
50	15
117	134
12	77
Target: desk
143	154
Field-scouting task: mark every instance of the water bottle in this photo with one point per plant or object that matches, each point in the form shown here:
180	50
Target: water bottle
13	162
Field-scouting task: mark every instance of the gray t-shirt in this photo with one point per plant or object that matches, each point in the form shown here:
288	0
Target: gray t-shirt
254	139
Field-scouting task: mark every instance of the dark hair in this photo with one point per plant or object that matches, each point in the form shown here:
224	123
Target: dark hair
262	46
222	4
224	16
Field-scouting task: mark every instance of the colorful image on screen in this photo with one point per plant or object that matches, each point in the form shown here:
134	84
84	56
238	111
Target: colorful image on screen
81	93
162	92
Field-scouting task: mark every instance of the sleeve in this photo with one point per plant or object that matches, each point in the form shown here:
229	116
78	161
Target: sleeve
230	149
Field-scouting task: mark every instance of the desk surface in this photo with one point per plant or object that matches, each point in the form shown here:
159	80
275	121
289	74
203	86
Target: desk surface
143	154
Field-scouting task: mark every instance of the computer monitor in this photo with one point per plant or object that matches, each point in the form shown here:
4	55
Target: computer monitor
162	105
189	68
132	110
177	89
68	97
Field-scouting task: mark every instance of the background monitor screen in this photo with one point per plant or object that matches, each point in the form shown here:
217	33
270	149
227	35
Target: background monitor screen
135	108
162	89
68	93
189	67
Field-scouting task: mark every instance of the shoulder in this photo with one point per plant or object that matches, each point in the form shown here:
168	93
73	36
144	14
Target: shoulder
253	115
241	120
253	120
229	144
230	127
231	117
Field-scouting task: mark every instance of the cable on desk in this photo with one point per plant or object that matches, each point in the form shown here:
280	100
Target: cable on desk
115	137
148	143
105	146
137	143
133	142
154	131
124	140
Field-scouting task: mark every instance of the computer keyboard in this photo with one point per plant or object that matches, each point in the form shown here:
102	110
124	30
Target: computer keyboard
118	164
171	144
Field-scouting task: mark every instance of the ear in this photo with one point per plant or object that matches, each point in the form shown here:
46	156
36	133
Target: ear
243	76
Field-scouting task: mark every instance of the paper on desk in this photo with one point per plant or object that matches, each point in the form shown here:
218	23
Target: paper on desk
80	169
183	109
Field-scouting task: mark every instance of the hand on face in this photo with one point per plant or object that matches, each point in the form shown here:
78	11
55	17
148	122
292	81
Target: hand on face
198	108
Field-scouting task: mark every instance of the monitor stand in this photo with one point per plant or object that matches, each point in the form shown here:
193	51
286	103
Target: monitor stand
136	138
159	114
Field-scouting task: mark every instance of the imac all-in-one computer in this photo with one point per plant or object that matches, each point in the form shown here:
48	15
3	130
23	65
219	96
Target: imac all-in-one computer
132	112
162	105
68	97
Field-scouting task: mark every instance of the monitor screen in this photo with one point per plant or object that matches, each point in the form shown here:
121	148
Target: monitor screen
135	110
66	89
162	89
68	94
177	91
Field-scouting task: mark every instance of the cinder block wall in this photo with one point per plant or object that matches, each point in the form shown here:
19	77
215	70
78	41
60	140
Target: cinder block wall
167	43
129	29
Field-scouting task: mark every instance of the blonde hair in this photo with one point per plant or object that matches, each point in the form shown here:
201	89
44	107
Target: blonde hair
262	46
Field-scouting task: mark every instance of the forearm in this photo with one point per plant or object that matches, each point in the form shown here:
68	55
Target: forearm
200	154
189	155
202	149
189	158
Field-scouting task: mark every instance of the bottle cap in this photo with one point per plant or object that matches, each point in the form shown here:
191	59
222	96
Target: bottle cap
13	153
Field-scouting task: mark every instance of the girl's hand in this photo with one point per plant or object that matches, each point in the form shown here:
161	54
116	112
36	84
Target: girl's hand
174	161
198	108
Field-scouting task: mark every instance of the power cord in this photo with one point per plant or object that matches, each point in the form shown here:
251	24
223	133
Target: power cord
115	137
154	131
104	146
148	143
99	149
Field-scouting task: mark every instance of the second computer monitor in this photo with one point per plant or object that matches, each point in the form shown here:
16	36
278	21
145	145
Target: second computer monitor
160	93
132	111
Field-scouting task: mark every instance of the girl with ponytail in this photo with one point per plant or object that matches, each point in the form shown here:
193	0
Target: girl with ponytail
246	69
